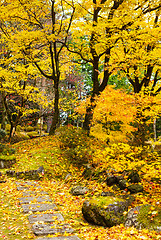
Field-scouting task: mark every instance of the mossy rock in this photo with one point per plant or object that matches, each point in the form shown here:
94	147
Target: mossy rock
135	188
7	161
79	190
33	134
105	211
145	216
134	177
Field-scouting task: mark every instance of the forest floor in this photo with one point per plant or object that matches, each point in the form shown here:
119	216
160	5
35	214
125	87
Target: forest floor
45	151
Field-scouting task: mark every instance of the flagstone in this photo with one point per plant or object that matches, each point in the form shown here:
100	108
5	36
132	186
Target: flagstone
60	238
33	193
38	207
22	188
24	200
45	229
26	183
45	217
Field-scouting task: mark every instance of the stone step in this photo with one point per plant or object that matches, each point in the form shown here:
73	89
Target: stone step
28	183
38	207
45	229
27	188
24	200
60	238
33	193
45	217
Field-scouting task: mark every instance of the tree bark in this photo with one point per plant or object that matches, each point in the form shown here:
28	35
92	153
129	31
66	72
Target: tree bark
55	120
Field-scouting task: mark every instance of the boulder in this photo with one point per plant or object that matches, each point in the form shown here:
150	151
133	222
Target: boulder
145	216
134	177
122	184
79	190
105	211
88	171
135	188
111	180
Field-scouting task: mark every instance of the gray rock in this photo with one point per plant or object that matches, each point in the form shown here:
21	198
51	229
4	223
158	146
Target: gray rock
26	183
79	190
45	229
131	219
22	188
45	217
135	188
122	184
41	170
33	193
107	194
105	211
139	218
24	200
111	180
38	207
68	176
60	238
134	177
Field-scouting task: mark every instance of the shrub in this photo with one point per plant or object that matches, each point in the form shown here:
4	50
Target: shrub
19	137
2	147
8	128
32	134
121	157
2	133
8	151
29	128
76	144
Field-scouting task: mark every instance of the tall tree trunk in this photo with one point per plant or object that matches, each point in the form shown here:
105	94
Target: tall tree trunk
3	123
155	130
55	120
140	134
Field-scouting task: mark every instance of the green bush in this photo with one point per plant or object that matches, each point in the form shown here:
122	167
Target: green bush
32	134
30	129
8	128
2	147
76	145
19	137
19	128
45	127
8	151
2	133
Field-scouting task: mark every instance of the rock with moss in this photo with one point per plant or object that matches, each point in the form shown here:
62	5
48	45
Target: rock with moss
135	188
134	177
145	216
7	161
79	190
105	211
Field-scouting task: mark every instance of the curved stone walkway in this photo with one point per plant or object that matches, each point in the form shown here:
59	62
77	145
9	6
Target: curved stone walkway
44	216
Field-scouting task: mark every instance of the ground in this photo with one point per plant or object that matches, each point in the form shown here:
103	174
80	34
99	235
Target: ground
45	151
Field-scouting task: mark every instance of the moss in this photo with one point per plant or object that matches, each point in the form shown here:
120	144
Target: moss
105	201
150	217
33	134
102	211
7	158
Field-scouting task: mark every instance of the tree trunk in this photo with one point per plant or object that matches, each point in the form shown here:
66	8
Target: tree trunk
55	120
3	124
155	130
140	133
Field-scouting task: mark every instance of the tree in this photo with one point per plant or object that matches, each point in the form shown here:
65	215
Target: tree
103	24
139	60
34	31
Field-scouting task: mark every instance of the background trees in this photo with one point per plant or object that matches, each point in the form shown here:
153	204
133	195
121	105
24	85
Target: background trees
106	27
118	40
35	30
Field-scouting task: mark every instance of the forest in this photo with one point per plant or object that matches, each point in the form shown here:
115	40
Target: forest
80	107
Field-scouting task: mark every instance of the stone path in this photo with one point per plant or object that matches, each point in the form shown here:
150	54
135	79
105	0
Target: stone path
37	202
